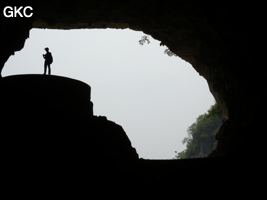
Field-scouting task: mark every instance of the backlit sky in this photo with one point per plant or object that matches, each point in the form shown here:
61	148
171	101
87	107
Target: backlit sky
154	97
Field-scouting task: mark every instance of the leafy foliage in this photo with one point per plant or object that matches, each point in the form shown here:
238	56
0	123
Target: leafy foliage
145	39
201	134
169	52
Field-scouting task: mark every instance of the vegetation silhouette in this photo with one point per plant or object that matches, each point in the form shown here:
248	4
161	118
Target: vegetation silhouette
201	134
145	39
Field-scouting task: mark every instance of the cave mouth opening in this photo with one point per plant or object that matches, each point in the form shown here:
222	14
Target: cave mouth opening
154	97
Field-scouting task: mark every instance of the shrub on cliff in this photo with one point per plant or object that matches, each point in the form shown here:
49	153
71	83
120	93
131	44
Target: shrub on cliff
201	134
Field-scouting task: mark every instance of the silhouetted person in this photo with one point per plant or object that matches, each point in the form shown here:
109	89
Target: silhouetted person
48	61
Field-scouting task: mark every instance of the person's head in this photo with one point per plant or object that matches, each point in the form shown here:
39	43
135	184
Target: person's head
47	49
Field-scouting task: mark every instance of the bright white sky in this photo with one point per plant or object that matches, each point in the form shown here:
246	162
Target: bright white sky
154	97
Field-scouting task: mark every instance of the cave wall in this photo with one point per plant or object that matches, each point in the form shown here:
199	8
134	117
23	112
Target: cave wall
221	40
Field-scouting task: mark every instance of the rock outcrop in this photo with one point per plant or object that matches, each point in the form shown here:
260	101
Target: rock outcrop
51	116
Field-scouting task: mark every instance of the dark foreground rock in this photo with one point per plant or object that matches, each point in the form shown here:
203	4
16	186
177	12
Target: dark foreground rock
53	146
51	118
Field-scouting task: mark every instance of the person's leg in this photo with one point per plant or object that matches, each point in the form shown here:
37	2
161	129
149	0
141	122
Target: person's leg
45	65
49	69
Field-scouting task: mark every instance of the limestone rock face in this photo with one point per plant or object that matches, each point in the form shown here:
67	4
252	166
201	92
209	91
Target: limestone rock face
51	117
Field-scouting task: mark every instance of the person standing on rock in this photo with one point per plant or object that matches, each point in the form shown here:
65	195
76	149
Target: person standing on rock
48	61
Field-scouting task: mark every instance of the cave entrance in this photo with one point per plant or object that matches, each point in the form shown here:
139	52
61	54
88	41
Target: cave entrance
154	97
